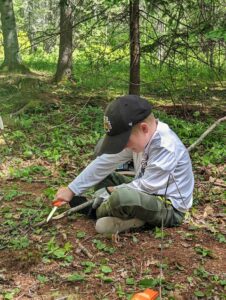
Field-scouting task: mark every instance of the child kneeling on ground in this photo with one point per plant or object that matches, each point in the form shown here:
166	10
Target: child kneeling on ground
161	190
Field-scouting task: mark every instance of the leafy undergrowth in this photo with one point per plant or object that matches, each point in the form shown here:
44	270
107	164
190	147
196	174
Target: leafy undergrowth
44	147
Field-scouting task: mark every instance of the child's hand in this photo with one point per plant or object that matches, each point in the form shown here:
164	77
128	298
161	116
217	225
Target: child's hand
64	194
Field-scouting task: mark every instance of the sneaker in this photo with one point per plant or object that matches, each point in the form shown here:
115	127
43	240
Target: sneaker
116	225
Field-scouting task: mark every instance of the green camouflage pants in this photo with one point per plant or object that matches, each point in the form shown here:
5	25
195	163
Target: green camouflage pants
129	203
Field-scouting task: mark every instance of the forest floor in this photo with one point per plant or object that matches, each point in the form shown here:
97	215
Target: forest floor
42	148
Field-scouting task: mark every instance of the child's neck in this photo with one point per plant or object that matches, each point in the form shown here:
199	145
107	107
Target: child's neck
153	127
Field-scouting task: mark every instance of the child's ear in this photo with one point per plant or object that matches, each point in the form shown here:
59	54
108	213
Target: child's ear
144	127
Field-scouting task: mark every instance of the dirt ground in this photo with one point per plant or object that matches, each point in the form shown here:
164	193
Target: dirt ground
187	272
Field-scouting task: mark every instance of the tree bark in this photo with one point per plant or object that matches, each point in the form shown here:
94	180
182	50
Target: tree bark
134	84
31	28
64	66
12	61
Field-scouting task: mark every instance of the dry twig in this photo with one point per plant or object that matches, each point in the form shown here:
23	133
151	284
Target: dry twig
83	249
198	141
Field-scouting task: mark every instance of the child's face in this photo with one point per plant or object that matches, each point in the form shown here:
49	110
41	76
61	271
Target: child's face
139	138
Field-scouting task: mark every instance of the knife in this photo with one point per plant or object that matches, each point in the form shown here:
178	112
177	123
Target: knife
56	204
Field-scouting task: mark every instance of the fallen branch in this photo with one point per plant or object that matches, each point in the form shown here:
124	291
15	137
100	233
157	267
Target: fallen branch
127	173
198	141
219	184
73	210
84	249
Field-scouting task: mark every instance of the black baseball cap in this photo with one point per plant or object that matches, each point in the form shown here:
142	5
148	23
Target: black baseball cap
119	118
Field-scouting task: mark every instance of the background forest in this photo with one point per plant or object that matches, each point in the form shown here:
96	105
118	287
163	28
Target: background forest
61	62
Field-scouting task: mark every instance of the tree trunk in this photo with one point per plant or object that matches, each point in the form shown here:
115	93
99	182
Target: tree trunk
134	85
64	66
12	61
52	20
31	28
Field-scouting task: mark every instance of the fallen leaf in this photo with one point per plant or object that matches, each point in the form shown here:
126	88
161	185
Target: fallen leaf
2	141
185	245
208	211
212	179
176	295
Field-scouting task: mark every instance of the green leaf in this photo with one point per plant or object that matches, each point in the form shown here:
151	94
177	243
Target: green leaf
20	243
75	277
222	282
106	269
107	279
148	282
59	253
80	234
221	238
88	264
104	278
199	294
99	244
159	233
130	281
67	246
50	193
8	296
204	252
42	278
69	258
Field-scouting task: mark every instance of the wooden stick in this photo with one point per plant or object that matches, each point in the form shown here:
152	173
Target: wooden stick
84	249
127	173
219	184
198	141
73	209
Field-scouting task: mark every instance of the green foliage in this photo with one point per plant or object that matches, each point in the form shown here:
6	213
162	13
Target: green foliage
199	294
201	272
106	269
26	173
130	281
104	278
42	278
221	238
216	35
159	233
50	193
103	247
9	295
204	252
75	277
89	266
20	243
56	252
10	195
148	282
80	234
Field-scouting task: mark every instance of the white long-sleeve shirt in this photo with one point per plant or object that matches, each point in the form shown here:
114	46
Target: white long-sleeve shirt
164	156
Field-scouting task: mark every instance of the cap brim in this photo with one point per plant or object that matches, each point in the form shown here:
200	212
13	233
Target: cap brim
114	144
